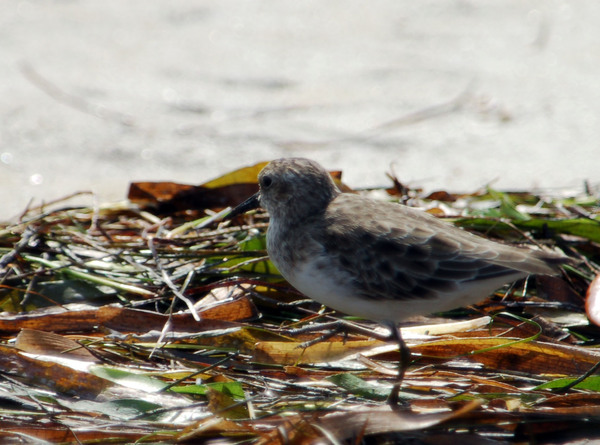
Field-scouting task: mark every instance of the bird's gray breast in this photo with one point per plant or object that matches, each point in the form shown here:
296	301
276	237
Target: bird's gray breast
290	247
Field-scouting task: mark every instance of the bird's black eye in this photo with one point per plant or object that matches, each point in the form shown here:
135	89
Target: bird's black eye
266	182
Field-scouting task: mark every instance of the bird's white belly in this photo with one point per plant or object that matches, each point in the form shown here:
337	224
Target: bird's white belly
335	289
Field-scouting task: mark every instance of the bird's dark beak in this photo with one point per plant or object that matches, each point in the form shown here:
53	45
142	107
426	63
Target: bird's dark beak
249	204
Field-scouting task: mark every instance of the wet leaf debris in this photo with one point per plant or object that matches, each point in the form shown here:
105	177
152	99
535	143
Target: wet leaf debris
153	320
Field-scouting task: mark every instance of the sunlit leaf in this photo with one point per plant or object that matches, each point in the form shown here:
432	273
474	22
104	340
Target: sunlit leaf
293	353
232	389
244	175
49	343
243	340
254	243
54	376
126	408
360	387
591	383
130	379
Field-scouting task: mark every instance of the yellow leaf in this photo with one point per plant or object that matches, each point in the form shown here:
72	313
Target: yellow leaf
290	353
245	175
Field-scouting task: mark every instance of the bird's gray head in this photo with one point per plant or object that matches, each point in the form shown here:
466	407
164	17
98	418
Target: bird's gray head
295	188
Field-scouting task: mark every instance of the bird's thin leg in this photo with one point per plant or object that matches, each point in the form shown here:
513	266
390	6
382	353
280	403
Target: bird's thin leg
337	326
394	396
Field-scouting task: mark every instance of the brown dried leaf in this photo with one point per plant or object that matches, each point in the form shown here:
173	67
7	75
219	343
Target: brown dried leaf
48	343
56	377
442	195
227	190
533	357
84	318
236	307
169	197
135	320
75	317
157	192
571	400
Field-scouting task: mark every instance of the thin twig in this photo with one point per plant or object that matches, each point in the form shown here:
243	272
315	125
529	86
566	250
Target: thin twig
169	283
27	236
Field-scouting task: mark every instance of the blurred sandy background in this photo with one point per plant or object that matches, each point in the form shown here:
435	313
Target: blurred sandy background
454	94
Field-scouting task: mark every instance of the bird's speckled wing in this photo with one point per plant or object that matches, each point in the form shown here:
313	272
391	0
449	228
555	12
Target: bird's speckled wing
405	253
